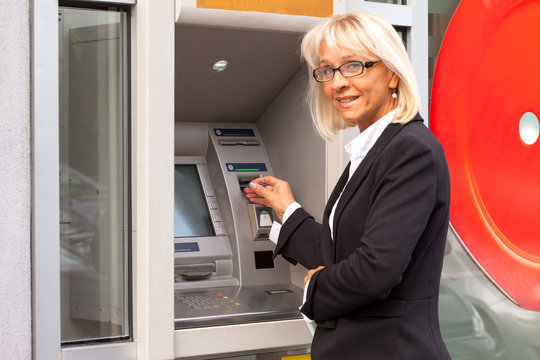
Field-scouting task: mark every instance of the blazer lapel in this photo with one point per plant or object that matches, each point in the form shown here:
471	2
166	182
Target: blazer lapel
337	191
361	172
329	252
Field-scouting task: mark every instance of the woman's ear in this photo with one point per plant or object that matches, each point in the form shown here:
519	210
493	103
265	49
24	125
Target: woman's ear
394	80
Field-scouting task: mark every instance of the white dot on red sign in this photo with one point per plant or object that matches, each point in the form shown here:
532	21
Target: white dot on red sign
529	128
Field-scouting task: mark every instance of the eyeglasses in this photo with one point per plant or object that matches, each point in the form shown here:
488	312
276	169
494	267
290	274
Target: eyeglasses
350	69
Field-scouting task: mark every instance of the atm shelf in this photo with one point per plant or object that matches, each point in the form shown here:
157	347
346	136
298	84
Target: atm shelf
236	305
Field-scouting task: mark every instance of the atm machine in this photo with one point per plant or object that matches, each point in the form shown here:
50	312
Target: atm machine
224	271
251	120
227	286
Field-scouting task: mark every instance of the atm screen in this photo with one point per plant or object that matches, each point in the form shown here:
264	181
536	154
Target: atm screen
191	215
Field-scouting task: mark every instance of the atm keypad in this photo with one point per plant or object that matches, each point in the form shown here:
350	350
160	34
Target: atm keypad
206	301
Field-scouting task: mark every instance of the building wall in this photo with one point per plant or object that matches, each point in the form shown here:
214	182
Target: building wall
15	182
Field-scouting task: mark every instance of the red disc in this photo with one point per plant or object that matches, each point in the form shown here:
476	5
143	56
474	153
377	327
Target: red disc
486	79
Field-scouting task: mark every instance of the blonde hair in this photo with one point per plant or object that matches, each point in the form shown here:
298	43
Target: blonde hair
366	35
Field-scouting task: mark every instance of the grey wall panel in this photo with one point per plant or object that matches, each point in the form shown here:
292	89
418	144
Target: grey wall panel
297	153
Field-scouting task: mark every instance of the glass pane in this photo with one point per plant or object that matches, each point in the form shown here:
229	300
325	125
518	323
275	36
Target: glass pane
191	215
93	174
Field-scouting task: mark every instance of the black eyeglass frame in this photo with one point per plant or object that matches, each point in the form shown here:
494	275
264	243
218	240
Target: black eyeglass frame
365	65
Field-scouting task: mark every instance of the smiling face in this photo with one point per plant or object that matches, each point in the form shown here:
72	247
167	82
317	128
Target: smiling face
362	99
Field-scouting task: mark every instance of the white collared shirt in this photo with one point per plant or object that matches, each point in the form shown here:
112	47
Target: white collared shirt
357	149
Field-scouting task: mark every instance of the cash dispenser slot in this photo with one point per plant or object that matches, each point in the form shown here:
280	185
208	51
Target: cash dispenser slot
192	272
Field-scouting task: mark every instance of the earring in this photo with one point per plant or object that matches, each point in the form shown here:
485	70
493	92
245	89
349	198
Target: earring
394	94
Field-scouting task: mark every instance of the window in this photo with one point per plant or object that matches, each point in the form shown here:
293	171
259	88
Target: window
94	174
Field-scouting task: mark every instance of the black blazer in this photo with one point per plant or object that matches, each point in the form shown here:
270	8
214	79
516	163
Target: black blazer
377	298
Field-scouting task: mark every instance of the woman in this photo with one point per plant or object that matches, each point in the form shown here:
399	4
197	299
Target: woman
377	256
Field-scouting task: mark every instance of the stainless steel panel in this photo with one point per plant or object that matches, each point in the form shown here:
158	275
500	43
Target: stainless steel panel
236	305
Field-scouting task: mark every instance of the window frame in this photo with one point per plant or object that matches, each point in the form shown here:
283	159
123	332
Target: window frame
45	189
46	329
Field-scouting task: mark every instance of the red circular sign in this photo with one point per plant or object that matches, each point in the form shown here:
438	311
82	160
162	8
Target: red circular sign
487	78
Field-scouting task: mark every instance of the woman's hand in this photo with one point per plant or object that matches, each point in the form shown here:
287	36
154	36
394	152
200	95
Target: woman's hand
310	274
275	193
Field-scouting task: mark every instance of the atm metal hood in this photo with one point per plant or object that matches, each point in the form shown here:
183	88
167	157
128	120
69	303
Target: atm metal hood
261	62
